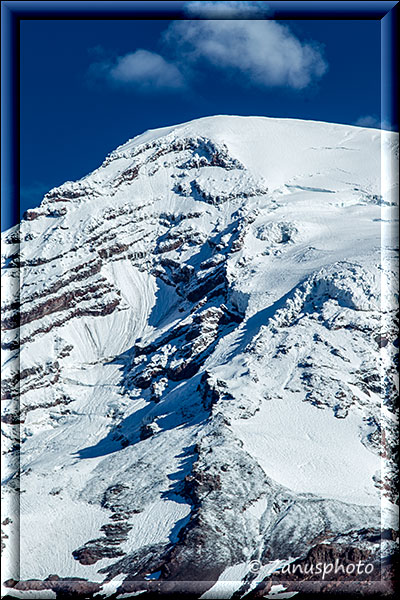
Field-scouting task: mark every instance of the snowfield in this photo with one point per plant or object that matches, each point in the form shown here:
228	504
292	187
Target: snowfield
201	370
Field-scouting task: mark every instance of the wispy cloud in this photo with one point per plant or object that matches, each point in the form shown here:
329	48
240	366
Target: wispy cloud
142	70
233	38
375	122
368	121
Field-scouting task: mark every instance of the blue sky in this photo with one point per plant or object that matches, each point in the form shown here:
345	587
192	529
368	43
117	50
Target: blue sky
89	85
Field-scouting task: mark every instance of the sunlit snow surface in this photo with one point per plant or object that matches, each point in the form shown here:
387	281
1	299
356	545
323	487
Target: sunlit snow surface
307	201
309	450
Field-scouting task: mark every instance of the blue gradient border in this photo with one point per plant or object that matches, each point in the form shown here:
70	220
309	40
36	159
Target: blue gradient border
12	12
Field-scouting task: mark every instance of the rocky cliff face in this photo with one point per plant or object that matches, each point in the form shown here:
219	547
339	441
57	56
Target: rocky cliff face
199	363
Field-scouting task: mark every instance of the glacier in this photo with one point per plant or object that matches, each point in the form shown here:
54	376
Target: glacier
199	363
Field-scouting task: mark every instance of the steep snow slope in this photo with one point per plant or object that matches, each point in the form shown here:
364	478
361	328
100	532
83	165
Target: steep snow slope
199	359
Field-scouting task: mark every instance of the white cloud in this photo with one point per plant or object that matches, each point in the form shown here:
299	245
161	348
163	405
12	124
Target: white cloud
226	9
236	39
142	70
262	52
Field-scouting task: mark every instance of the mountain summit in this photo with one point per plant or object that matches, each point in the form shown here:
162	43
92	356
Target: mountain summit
199	343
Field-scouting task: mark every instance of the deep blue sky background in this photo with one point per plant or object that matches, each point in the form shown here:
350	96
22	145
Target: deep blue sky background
69	123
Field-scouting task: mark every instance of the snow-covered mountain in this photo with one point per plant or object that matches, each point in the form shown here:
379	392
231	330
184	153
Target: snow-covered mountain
199	363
